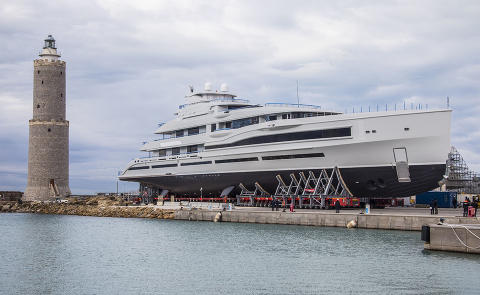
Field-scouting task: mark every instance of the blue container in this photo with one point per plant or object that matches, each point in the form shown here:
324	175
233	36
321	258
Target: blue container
444	199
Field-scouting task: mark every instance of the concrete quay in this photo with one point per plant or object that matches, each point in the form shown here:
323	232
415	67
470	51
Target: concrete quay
454	238
396	218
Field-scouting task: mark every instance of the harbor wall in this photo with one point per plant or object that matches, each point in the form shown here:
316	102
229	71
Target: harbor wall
372	221
454	238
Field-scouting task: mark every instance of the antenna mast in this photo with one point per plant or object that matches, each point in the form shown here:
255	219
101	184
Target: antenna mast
298	99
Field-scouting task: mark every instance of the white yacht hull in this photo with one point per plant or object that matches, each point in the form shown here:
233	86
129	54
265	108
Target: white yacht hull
366	155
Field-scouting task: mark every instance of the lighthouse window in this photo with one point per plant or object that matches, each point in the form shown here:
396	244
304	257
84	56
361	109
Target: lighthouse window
49	130
61	94
42	81
39	72
61	73
38	106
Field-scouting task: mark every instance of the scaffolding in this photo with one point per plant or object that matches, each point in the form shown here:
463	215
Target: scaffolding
302	192
460	178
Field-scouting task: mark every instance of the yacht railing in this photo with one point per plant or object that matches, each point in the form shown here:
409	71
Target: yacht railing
231	100
160	139
215	100
394	108
240	108
221	129
169	156
292	105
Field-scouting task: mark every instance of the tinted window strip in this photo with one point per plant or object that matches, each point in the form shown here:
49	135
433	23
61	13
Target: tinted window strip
236	160
298	156
329	133
196	163
164	166
139	168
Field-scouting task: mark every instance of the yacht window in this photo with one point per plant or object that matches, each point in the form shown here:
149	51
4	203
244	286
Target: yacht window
297	156
285	116
330	133
236	160
165	166
297	115
228	125
272	117
196	163
162	153
214	127
176	151
192	131
244	122
192	149
139	168
179	133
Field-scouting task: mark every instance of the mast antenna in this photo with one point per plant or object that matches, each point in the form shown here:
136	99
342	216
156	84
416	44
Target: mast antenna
298	99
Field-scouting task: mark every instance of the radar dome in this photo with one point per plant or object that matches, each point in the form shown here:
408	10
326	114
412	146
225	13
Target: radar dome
208	86
224	88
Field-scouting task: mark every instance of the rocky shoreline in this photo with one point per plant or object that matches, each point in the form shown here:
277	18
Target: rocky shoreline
94	206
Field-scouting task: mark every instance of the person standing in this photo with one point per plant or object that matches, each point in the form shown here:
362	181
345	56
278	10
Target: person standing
454	202
432	206
475	205
337	206
435	206
465	208
272	204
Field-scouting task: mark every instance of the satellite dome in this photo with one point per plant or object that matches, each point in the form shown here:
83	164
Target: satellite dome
208	86
224	88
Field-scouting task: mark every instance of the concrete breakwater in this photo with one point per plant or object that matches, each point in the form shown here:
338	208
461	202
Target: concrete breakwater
323	218
96	206
393	219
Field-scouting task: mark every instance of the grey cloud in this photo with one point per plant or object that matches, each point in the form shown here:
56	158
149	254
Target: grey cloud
129	66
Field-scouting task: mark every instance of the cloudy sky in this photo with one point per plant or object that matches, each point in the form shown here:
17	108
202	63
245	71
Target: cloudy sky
129	64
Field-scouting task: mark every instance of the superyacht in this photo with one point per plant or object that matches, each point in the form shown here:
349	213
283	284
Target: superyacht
218	141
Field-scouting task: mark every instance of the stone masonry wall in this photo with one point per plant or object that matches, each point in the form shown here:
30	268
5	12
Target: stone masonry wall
49	90
48	149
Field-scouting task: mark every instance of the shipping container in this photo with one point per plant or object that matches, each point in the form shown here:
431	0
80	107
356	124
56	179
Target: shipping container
444	199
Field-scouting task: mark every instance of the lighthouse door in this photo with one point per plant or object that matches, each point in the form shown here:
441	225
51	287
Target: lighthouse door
401	162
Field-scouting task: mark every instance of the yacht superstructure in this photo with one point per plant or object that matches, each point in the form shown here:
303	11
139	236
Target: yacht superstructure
218	141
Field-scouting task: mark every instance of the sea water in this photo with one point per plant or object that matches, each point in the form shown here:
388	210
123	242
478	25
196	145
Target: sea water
57	254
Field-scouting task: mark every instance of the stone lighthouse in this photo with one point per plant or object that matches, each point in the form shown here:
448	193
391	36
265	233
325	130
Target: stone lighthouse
48	130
